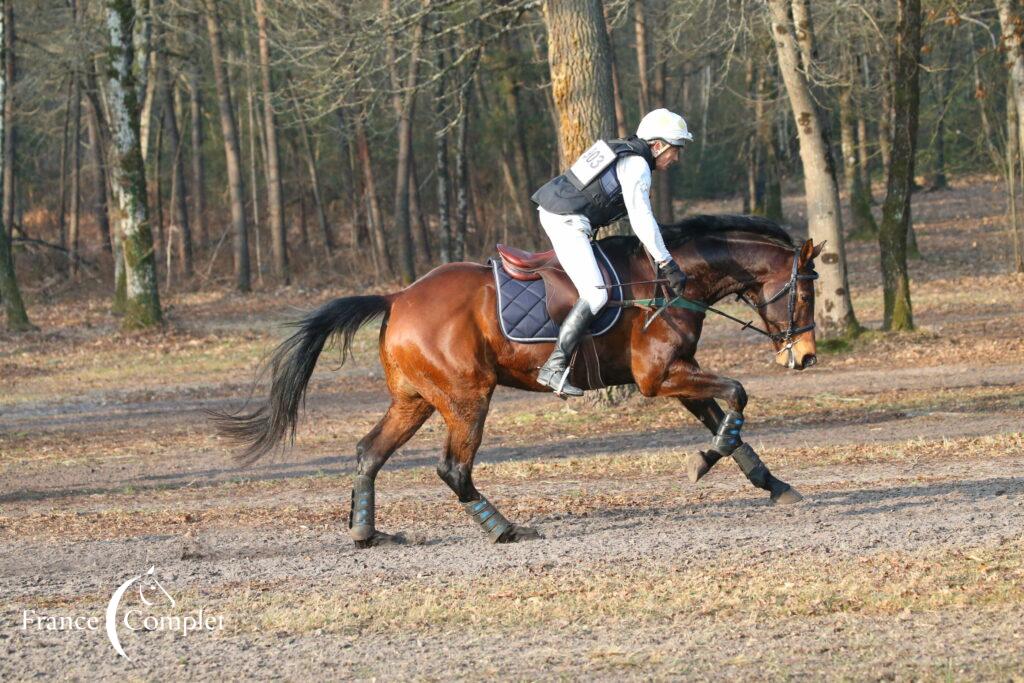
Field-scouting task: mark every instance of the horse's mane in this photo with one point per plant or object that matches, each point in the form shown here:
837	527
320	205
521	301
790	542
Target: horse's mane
695	227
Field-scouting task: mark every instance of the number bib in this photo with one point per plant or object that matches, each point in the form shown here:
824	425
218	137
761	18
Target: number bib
590	164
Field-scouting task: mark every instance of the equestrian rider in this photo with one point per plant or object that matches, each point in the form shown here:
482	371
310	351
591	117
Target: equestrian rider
610	180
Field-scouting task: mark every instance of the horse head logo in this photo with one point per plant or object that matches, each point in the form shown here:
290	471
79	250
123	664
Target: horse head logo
148	586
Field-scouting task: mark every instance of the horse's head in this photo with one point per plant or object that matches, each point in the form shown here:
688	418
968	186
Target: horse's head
786	305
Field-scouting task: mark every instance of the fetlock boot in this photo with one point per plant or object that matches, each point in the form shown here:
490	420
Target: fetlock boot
555	372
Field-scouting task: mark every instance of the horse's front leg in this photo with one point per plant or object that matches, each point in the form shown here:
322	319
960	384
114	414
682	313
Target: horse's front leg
698	390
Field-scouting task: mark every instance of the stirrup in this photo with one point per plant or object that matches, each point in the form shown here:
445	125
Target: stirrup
560	385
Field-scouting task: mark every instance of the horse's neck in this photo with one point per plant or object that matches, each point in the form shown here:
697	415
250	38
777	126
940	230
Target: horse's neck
733	264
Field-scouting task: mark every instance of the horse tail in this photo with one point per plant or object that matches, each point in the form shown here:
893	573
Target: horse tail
290	366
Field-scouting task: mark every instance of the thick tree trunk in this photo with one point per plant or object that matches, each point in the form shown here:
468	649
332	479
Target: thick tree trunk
232	152
581	74
275	201
892	235
17	318
835	311
864	226
128	177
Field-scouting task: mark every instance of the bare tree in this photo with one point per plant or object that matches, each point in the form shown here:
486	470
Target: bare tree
232	150
823	212
892	234
275	202
128	177
17	318
1013	44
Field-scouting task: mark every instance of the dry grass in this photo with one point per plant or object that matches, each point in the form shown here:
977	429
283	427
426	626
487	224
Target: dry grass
573	486
887	584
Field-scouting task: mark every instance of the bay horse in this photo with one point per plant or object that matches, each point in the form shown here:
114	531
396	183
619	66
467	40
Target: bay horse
442	348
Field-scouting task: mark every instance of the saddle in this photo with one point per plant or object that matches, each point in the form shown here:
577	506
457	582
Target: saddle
560	293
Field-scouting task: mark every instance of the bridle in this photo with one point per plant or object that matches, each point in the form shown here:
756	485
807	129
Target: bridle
785	338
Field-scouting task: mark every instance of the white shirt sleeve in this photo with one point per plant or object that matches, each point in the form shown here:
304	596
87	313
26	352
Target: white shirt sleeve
635	179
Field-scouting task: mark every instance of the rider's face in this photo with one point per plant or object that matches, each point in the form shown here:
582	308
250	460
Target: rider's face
667	157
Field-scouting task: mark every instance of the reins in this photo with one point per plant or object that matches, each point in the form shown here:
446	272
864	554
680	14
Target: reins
661	304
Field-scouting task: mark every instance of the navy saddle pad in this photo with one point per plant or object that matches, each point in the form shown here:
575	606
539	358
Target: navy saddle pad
522	306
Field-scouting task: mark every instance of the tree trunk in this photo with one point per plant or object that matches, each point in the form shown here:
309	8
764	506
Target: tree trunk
128	174
62	226
769	168
444	225
892	235
10	132
416	211
581	75
231	150
1010	172
374	213
17	318
885	121
179	206
862	137
864	226
314	180
944	70
1012	43
835	311
275	201
97	142
642	55
195	108
403	104
620	111
76	166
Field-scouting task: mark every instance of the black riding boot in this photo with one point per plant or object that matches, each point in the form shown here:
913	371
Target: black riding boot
555	373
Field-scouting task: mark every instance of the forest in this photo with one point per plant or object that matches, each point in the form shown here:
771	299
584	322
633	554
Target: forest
155	146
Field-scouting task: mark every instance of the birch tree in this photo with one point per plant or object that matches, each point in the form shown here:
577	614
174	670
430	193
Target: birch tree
127	172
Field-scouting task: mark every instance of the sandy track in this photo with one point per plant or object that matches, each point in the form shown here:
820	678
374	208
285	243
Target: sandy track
592	525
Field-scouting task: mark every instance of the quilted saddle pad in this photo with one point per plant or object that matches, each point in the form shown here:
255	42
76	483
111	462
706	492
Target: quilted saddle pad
522	306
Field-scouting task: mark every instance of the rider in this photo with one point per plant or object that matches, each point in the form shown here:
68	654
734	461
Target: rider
608	181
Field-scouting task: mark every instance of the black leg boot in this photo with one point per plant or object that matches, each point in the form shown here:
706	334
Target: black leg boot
555	372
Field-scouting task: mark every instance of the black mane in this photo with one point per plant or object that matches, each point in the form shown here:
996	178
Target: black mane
694	227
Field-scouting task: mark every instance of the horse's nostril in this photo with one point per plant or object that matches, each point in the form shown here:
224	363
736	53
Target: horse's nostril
810	360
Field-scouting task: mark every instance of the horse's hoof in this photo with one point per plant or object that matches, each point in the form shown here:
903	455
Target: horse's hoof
697	466
788	496
519	533
380	538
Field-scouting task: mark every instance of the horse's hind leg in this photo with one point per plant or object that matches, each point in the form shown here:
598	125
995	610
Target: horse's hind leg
465	419
405	415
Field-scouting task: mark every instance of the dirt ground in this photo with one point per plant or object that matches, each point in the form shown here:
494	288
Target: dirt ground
903	562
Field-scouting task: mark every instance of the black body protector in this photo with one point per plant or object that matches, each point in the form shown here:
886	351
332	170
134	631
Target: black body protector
591	187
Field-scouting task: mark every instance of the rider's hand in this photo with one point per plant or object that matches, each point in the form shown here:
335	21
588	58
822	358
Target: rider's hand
671	271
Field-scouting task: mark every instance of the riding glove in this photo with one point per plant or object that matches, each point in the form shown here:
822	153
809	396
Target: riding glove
671	271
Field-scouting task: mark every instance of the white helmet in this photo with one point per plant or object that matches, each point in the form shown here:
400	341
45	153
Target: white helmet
661	124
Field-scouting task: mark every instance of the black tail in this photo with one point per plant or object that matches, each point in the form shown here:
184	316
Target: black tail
291	365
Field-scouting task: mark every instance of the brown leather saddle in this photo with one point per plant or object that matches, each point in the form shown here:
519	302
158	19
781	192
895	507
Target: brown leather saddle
561	294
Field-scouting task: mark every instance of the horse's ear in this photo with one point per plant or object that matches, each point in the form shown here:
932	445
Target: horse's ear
810	251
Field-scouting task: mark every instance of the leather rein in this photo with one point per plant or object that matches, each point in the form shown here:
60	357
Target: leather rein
785	338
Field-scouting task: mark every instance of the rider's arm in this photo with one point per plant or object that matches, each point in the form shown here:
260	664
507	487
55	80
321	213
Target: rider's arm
635	179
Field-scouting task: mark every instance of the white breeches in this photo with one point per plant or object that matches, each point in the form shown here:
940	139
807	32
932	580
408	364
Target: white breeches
570	236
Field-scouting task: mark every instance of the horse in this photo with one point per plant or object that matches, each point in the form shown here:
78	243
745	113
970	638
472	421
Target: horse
442	348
